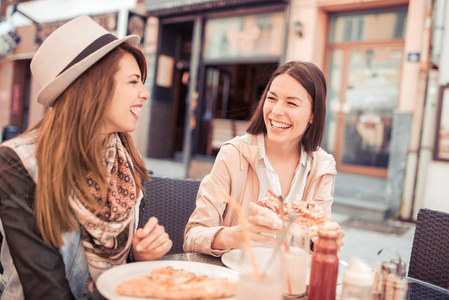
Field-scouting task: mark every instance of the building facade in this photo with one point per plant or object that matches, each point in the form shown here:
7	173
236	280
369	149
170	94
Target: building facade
209	60
213	59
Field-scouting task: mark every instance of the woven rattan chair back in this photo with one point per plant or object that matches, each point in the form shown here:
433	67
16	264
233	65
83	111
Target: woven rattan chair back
429	260
172	201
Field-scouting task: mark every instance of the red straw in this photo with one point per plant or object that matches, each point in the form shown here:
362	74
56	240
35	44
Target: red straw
289	284
272	193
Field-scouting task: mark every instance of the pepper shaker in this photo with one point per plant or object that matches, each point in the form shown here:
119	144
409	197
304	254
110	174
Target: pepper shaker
324	268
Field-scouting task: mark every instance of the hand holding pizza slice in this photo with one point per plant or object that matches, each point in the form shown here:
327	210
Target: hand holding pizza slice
308	214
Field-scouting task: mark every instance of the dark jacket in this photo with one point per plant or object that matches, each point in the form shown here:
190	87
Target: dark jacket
40	267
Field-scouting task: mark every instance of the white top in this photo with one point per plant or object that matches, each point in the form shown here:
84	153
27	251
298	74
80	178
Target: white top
269	179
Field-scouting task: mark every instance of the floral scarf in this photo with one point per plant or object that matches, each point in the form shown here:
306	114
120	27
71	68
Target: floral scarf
107	236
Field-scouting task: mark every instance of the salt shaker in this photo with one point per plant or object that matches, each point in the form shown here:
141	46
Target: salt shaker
396	288
324	268
358	280
394	285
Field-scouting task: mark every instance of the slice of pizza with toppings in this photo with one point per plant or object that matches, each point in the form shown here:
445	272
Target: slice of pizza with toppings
307	213
314	217
170	283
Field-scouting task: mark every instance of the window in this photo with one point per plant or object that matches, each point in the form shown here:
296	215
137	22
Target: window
369	26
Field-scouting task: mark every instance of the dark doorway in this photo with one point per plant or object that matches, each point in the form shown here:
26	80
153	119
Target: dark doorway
230	91
168	104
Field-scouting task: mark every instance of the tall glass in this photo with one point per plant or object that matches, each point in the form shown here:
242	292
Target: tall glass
296	257
267	283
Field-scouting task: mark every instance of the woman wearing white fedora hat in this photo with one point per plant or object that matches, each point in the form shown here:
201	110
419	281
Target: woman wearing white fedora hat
71	186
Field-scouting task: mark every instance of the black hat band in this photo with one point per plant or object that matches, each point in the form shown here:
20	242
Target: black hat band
94	46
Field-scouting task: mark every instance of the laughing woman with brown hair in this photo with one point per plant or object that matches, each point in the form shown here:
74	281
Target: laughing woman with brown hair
281	152
71	186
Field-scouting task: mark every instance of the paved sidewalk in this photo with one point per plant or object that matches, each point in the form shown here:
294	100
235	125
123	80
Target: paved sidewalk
365	243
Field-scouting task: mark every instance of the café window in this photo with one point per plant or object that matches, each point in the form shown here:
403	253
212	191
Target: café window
250	38
370	26
441	151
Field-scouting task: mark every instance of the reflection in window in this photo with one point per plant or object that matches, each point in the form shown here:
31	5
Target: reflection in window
370	26
252	36
353	28
399	26
371	97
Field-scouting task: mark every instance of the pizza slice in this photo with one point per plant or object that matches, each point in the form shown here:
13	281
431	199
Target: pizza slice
308	214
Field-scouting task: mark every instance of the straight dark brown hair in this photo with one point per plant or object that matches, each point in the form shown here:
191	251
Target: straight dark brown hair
312	79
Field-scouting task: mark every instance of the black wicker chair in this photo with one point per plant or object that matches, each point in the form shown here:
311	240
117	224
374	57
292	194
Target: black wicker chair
172	201
429	260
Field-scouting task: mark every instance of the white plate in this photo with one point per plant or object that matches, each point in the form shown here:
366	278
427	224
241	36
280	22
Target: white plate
231	260
107	281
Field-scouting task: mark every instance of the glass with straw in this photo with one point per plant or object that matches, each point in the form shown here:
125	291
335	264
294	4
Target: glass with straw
269	283
260	269
296	259
295	244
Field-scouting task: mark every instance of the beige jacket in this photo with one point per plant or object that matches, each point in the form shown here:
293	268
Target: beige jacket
234	172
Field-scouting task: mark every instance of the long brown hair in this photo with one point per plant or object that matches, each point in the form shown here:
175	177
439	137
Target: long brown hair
70	145
312	79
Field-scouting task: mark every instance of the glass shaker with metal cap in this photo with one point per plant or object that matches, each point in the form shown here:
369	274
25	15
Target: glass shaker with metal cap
393	284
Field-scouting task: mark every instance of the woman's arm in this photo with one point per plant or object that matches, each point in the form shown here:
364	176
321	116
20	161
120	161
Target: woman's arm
40	266
324	192
206	222
321	180
207	231
261	230
324	198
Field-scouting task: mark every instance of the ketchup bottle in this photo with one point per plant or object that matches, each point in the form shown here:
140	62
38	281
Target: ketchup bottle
324	268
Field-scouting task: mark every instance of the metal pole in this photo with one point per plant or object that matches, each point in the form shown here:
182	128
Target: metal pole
288	13
425	147
192	94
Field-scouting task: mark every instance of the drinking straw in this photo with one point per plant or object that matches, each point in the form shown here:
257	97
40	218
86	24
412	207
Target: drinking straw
289	284
286	248
281	206
245	232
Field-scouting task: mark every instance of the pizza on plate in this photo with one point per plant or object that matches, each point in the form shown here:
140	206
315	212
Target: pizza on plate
170	283
307	213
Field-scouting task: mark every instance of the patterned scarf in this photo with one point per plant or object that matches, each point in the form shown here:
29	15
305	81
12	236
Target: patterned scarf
107	236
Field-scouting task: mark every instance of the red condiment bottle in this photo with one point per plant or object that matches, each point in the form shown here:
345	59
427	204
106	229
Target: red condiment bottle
324	268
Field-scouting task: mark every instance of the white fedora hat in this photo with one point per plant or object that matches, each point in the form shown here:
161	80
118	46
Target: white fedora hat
68	52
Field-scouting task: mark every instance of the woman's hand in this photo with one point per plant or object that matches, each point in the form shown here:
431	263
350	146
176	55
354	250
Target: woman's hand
263	230
331	226
341	234
151	242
